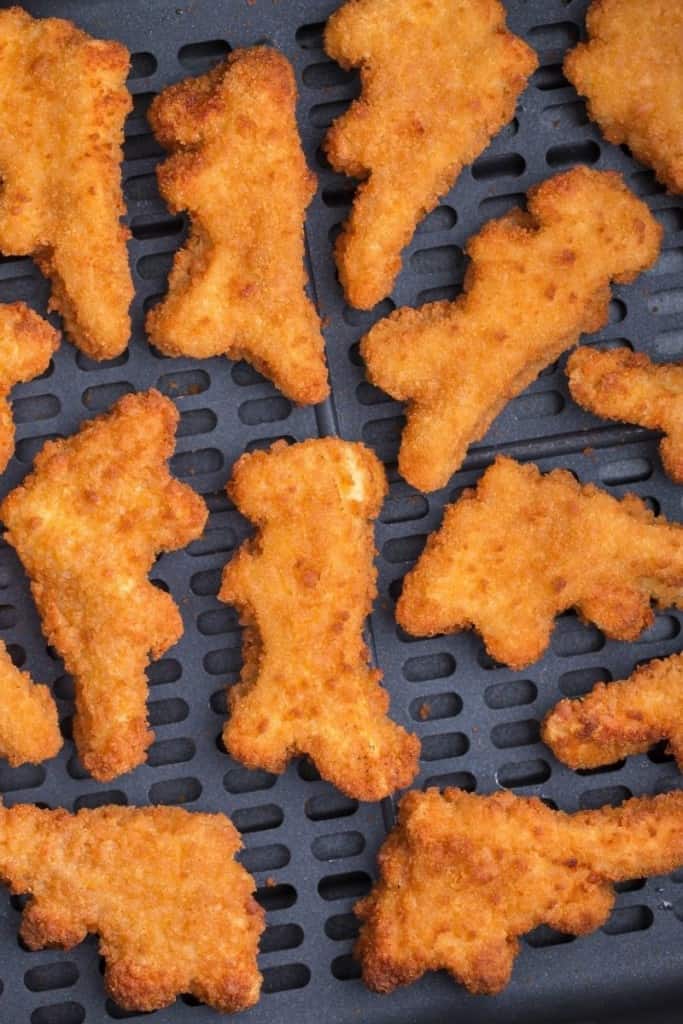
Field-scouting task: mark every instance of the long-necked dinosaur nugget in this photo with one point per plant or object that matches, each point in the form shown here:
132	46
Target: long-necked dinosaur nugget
29	729
439	80
237	286
87	524
536	282
304	587
523	547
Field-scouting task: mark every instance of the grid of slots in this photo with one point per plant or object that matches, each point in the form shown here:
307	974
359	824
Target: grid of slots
311	849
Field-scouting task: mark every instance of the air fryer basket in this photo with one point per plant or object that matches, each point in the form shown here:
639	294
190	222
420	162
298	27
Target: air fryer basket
311	849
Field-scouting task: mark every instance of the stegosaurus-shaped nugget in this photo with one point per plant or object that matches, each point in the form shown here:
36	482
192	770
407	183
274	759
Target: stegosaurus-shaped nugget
174	911
87	524
522	547
61	132
27	343
439	80
29	729
462	876
304	587
237	286
536	282
625	385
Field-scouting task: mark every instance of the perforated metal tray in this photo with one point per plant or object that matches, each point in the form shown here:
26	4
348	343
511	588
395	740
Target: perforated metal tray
316	845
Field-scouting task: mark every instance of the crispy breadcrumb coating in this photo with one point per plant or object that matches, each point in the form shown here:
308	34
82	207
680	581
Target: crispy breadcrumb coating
631	73
625	385
237	286
536	282
63	101
174	911
439	81
29	729
304	586
87	524
618	719
522	547
462	876
26	346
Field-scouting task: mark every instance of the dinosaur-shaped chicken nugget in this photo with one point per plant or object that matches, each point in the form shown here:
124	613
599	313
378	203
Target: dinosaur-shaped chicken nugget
29	730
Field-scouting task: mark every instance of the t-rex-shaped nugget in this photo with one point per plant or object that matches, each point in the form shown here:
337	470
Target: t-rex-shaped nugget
462	876
522	547
631	73
174	911
237	286
26	346
618	719
29	729
536	282
88	524
304	587
439	80
64	101
625	385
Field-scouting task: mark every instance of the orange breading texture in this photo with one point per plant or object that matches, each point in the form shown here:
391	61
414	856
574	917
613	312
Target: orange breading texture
29	729
439	80
462	876
175	912
536	282
625	385
631	72
88	524
237	288
63	101
304	587
26	346
522	548
618	719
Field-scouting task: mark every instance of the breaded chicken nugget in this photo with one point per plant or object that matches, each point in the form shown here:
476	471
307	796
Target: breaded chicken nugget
618	719
462	876
26	346
237	286
29	730
304	587
631	72
535	283
175	912
63	101
439	80
522	547
625	385
88	523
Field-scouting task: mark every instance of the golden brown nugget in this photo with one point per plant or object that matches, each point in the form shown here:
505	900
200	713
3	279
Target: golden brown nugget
27	343
631	73
237	288
174	911
304	587
29	728
63	101
462	876
618	719
522	548
536	282
625	385
439	81
87	524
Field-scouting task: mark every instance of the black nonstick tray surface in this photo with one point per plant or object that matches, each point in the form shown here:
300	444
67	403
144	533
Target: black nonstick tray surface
312	850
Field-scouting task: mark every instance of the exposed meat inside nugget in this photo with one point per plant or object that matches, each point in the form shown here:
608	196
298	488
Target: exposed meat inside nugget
536	282
304	586
174	911
237	286
625	385
522	547
87	524
63	101
463	876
